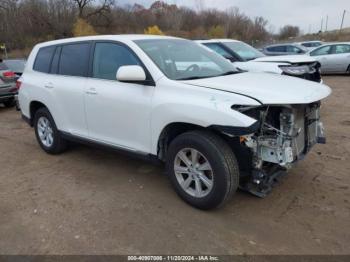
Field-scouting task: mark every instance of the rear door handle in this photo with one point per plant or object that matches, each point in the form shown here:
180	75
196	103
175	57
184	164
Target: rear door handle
91	91
49	85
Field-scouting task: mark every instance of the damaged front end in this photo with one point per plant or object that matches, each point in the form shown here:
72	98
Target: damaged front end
285	135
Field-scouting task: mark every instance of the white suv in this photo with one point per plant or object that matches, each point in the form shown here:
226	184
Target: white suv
169	99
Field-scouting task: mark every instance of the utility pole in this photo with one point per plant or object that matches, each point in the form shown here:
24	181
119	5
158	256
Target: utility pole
342	20
321	24
327	23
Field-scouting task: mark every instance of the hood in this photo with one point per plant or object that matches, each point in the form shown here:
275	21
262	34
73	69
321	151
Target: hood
267	88
293	59
266	67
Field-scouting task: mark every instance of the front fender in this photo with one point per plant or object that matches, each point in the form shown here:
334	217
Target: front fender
180	103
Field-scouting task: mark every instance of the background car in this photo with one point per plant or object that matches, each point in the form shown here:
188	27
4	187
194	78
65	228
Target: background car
8	88
16	66
247	58
334	58
311	44
284	49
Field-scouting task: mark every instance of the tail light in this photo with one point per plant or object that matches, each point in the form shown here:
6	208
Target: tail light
8	75
18	84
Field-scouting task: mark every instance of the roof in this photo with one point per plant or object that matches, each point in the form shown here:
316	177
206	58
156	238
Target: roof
336	43
220	40
126	37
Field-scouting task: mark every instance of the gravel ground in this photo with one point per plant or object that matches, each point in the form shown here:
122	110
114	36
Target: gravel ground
90	201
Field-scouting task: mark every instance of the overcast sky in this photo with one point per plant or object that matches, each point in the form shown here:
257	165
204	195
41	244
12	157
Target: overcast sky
304	13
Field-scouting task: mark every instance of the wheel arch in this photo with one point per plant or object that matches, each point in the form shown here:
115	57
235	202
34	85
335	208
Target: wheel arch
34	106
170	132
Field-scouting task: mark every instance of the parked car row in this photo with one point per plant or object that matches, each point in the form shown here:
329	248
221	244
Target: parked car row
216	126
332	57
248	58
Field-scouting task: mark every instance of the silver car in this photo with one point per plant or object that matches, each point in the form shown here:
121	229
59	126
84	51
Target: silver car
334	58
284	49
8	89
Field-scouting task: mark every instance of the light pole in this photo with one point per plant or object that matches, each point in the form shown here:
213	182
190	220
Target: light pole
342	20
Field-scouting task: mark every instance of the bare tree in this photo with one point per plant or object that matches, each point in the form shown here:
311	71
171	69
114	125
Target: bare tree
100	8
289	31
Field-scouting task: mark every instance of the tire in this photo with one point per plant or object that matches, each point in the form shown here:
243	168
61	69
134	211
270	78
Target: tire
348	71
53	145
9	103
224	174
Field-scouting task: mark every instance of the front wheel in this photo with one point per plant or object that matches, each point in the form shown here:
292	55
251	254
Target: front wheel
203	169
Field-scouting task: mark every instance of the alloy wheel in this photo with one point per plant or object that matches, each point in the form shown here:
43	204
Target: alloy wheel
193	172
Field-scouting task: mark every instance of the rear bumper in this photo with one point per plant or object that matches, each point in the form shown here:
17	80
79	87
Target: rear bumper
7	92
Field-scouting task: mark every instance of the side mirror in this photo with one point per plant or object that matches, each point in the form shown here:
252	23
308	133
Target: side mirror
131	73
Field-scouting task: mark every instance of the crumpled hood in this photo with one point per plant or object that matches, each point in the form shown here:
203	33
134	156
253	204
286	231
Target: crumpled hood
287	59
267	88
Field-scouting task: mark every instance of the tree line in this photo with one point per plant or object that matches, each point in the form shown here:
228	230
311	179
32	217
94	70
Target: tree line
23	23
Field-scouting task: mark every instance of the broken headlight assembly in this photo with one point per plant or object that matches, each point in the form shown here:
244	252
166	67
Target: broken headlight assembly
297	70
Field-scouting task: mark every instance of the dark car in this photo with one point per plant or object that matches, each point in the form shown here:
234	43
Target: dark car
16	66
8	89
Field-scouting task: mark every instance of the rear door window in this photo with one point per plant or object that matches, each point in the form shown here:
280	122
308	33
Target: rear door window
43	59
342	49
74	59
55	61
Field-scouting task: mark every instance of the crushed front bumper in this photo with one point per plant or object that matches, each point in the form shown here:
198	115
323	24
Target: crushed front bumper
278	149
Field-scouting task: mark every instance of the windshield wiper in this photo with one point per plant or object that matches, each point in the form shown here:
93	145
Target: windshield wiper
191	78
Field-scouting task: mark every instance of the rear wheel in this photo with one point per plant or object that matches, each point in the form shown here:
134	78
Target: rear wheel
47	133
203	169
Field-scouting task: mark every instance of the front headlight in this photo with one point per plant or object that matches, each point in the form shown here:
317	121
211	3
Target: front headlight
297	70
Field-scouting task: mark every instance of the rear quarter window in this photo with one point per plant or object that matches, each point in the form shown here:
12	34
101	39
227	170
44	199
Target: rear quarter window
43	59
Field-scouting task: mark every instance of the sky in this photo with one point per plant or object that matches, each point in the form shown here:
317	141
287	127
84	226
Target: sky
307	14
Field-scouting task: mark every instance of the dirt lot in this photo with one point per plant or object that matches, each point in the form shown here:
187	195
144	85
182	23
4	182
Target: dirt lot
89	201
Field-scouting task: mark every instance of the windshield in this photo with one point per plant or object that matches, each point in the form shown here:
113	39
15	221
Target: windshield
182	59
246	52
16	65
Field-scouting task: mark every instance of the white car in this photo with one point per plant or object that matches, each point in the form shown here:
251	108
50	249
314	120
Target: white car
169	99
246	57
334	58
311	44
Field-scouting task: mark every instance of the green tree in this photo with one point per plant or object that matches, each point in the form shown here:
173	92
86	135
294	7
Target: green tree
216	32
